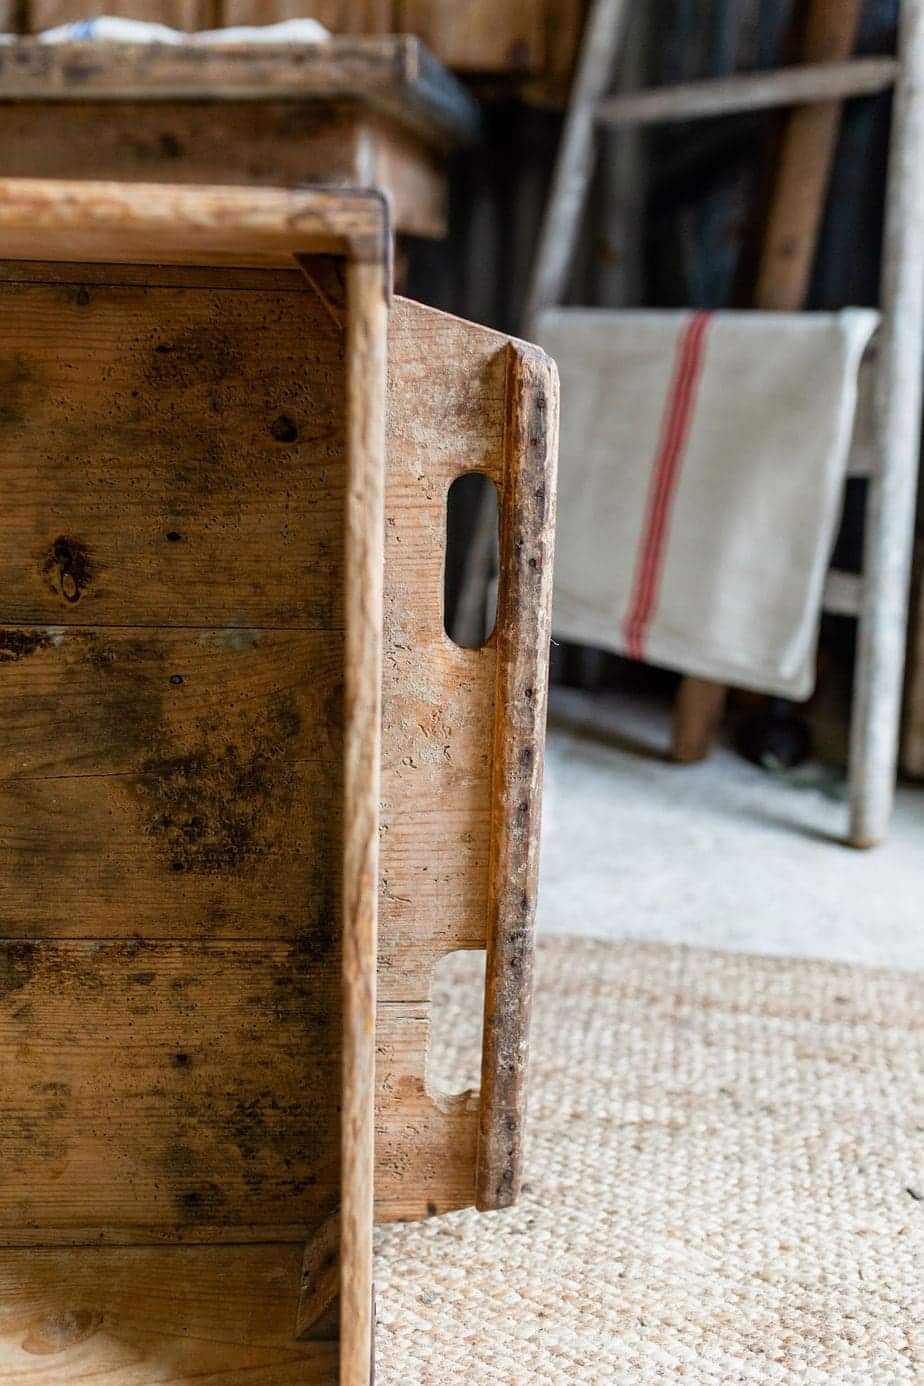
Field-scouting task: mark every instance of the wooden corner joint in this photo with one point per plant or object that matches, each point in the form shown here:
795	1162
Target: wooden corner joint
371	241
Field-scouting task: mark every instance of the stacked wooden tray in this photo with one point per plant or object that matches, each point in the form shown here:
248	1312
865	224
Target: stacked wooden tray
247	778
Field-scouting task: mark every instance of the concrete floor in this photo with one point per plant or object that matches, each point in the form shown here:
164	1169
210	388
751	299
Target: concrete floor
721	854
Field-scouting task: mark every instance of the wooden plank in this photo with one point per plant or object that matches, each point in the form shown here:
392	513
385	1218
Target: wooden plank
168	1091
806	157
177	14
266	143
476	36
394	75
141	1315
603	35
891	501
202	766
258	144
162	224
751	91
340	16
235	431
362	718
524	632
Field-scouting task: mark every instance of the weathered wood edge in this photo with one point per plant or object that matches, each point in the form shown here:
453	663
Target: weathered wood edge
64	220
367	292
523	632
890	507
393	74
750	91
320	1284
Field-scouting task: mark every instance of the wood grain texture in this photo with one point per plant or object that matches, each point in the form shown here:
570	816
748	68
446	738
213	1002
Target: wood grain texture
203	770
340	16
178	14
182	1048
362	730
163	224
438	741
524	630
158	1091
135	1316
320	1279
265	143
475	35
236	431
393	75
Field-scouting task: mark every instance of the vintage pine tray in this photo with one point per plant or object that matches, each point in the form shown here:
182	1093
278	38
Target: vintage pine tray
232	731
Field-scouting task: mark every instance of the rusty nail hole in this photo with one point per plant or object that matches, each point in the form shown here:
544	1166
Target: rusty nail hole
176	680
174	536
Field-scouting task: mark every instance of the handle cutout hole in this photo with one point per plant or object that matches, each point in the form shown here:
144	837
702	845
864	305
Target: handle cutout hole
456	1023
470	568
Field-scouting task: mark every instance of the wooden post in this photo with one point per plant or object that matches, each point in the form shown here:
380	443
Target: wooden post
890	507
365	523
794	219
574	165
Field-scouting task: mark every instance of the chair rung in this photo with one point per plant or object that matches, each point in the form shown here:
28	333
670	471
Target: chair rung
751	91
843	594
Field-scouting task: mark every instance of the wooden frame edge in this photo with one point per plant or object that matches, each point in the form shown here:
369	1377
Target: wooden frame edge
367	297
166	223
524	621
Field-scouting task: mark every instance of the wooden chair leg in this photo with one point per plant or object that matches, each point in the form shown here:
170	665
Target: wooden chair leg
698	710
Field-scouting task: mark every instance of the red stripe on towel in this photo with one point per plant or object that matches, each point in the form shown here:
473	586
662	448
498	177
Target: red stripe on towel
675	430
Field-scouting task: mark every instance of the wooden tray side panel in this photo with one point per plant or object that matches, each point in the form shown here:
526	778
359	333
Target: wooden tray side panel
452	387
171	649
140	1315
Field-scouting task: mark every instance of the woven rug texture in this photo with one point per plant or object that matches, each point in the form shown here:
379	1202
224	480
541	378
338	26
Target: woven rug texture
724	1182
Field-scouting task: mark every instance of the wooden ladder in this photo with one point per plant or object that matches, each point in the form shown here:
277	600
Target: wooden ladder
816	91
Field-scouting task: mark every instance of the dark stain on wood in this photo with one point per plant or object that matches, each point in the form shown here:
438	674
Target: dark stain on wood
17	962
213	811
19	644
68	568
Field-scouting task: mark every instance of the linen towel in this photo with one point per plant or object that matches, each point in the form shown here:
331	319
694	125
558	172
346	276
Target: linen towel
702	467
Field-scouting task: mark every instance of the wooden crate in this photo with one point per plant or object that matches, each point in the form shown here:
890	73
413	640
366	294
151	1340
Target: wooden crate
374	112
199	622
537	38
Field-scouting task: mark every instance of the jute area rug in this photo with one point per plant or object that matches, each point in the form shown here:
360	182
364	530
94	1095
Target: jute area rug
725	1182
